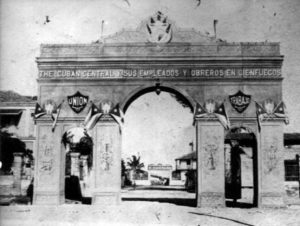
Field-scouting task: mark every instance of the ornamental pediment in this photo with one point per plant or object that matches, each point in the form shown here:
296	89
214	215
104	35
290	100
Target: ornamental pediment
158	29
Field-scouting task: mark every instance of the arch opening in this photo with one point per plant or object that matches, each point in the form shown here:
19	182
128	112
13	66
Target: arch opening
78	165
158	131
185	101
241	168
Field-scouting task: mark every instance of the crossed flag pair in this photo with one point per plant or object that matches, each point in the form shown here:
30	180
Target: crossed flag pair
219	112
279	111
39	112
95	114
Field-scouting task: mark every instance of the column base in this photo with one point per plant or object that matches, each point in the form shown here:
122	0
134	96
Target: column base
106	198
272	200
211	199
48	199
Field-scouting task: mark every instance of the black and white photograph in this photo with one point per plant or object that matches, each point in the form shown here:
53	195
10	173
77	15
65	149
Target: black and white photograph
150	112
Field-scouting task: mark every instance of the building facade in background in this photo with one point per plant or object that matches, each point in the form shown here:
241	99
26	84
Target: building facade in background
16	118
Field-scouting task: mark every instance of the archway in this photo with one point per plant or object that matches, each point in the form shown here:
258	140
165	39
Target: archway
125	66
185	100
161	124
241	168
78	165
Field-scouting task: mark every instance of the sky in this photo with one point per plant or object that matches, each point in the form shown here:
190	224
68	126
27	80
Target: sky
23	29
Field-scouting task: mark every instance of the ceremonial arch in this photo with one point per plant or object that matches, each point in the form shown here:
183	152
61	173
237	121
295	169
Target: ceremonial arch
228	85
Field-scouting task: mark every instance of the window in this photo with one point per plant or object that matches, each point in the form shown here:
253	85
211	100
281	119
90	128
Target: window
176	175
291	170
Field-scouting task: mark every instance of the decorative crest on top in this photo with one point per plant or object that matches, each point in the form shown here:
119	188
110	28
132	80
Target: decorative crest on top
159	29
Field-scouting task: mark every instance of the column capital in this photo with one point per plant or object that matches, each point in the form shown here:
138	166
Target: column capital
74	154
84	157
18	154
208	118
272	120
106	118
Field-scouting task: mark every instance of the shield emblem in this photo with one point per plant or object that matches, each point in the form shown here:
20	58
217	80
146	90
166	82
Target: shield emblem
240	101
159	29
77	102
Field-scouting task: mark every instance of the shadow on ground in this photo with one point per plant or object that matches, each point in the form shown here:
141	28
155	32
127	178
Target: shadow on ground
176	201
224	218
239	205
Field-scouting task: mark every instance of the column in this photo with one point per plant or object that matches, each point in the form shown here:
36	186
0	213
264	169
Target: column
84	175
227	163
271	164
17	169
84	167
49	170
107	163
75	164
210	163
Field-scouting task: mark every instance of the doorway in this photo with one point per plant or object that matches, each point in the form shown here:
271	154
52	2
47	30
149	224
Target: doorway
241	168
78	165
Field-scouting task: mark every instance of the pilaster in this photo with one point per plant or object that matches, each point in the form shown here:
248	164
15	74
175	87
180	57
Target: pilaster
271	164
17	169
210	163
107	163
49	162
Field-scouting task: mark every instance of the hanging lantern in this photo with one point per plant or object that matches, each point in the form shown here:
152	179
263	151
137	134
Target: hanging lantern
157	89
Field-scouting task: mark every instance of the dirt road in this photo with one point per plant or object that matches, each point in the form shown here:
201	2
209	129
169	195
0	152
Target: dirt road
146	213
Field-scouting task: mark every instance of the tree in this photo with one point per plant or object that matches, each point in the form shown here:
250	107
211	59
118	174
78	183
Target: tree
9	145
135	166
123	168
83	143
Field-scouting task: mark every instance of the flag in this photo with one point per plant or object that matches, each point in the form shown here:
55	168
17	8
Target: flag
92	117
92	111
199	111
39	111
280	112
90	125
55	114
260	113
221	114
117	114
